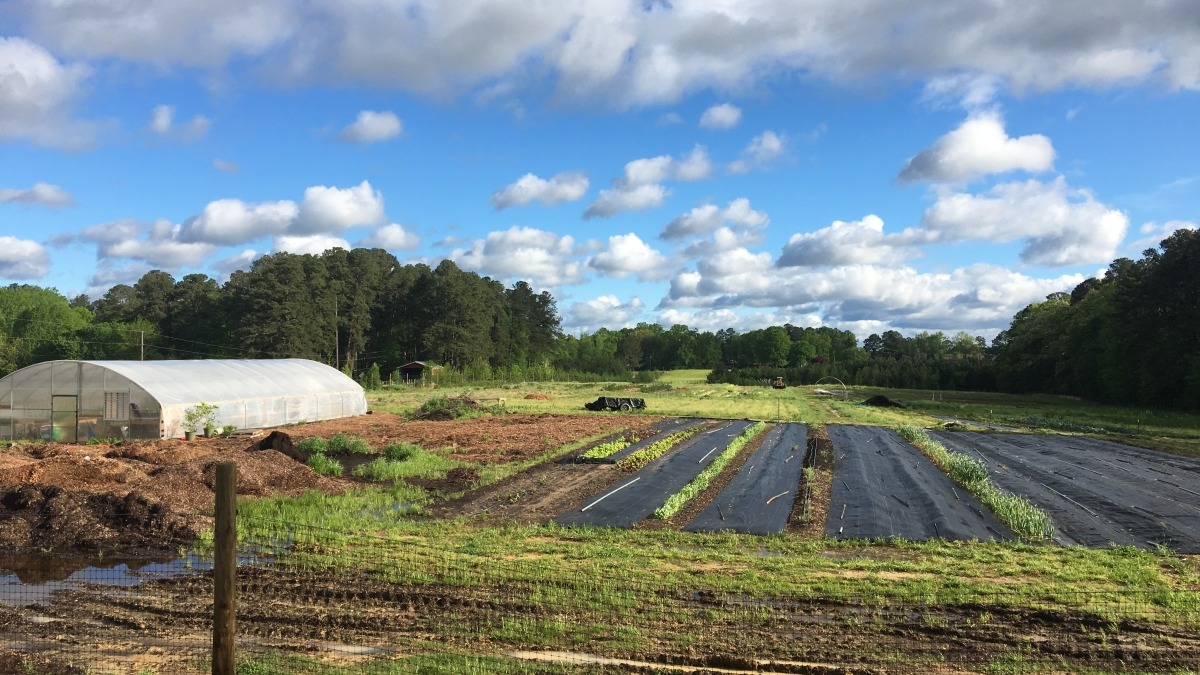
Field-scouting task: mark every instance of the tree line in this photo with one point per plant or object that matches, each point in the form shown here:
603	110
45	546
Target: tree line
1132	336
349	309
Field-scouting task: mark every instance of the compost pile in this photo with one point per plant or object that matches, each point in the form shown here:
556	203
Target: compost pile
56	520
537	396
448	409
882	401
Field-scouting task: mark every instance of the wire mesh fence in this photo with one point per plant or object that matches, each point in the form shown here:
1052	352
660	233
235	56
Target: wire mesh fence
315	601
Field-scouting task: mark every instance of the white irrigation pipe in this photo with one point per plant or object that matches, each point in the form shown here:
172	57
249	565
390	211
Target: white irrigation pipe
610	494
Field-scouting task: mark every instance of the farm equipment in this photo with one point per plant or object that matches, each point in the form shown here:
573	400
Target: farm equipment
616	403
778	383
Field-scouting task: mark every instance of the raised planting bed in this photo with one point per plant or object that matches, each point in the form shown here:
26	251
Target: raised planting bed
759	498
1099	493
637	496
883	488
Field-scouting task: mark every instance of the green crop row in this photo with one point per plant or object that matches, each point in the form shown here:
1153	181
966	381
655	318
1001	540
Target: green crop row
1026	519
700	483
655	450
605	449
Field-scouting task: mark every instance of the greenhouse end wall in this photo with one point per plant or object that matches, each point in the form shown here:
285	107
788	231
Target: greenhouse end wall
74	402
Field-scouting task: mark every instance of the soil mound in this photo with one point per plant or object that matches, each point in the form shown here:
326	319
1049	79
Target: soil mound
60	520
882	402
281	442
537	396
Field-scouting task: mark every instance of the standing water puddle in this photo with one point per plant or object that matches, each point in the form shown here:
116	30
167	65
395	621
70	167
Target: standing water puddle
29	579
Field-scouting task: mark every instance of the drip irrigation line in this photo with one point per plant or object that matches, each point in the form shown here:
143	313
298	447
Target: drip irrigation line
1069	499
610	494
1119	468
1080	466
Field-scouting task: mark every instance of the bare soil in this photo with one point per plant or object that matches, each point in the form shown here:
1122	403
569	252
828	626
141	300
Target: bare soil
150	495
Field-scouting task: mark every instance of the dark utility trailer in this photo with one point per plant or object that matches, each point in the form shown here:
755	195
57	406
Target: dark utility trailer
616	403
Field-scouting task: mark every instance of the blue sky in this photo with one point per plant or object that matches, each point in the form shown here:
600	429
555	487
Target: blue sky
888	165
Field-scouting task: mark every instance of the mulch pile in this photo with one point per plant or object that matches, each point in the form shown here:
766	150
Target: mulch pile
882	402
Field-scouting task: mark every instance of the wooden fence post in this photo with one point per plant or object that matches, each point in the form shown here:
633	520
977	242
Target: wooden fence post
225	570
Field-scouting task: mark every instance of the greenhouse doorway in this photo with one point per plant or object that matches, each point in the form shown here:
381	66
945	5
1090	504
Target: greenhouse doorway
64	419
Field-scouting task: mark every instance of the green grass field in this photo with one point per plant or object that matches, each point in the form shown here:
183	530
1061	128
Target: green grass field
686	394
1033	575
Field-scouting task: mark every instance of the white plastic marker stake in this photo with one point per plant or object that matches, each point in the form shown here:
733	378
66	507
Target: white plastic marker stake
610	494
706	455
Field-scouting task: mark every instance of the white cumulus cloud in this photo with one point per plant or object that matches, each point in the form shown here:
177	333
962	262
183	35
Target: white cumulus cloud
708	218
627	254
22	259
37	97
329	210
42	194
844	243
232	221
640	187
1059	225
723	116
762	151
392	237
605	311
157	244
540	257
162	122
312	244
980	146
634	54
372	127
561	188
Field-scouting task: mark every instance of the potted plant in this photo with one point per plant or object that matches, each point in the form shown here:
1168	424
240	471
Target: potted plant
202	415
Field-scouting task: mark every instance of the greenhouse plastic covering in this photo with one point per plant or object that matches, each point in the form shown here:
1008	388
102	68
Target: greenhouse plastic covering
148	399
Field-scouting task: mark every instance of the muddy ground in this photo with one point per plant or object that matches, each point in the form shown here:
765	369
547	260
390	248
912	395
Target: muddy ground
345	619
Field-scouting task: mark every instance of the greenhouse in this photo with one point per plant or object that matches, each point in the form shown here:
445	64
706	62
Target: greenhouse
74	401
